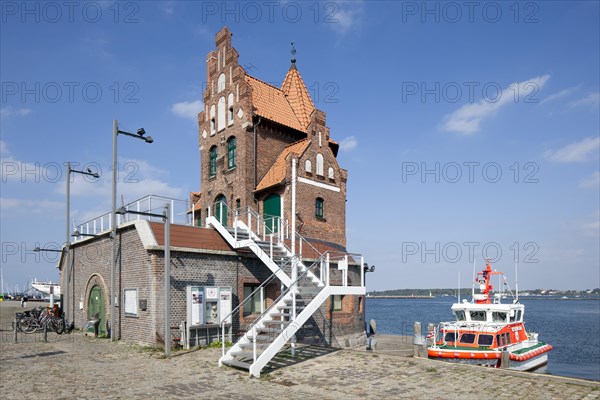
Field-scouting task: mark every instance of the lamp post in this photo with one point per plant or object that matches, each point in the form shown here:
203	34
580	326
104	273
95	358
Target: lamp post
68	229
37	250
113	219
166	219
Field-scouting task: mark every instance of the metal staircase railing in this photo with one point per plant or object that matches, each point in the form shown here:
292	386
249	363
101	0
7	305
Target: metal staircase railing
268	327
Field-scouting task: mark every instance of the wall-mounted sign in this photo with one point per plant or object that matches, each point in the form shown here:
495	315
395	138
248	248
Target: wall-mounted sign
208	305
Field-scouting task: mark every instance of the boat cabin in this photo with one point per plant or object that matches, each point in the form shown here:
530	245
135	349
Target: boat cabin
486	313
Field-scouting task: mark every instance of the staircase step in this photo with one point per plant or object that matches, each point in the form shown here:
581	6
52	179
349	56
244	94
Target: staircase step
237	363
259	346
244	354
276	321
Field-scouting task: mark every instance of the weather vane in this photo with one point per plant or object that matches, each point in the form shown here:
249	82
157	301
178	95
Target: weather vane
293	53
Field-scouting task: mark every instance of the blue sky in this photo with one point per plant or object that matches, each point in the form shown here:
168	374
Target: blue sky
464	126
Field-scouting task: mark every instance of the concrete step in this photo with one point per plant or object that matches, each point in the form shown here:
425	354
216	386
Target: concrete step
245	354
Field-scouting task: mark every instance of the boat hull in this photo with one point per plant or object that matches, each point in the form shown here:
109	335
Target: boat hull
524	361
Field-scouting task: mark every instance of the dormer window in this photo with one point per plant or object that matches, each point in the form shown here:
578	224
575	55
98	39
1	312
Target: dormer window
319	165
308	166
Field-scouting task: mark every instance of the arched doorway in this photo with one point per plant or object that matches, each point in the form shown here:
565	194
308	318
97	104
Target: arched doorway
272	212
221	209
96	309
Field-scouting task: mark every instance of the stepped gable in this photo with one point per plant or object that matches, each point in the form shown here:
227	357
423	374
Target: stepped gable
278	170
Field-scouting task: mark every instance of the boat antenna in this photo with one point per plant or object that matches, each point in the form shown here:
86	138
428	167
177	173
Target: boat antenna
459	286
517	281
473	284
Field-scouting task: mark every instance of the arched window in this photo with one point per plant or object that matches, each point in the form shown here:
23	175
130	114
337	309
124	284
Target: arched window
221	114
221	83
221	209
319	165
319	205
231	153
213	127
308	166
230	109
330	173
212	165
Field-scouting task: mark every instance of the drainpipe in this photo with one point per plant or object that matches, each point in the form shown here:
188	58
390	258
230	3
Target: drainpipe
254	156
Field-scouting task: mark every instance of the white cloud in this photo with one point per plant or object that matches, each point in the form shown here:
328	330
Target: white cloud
342	17
591	227
467	119
576	152
592	99
591	181
187	109
558	95
30	206
10	111
349	143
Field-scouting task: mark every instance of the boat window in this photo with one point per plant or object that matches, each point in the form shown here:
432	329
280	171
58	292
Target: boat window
485	340
507	338
513	315
519	315
499	340
460	315
498	316
468	338
478	316
450	337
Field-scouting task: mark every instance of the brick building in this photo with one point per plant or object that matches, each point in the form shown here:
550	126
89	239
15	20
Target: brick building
250	131
238	239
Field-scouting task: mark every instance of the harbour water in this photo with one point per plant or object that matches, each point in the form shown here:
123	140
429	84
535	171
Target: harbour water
571	327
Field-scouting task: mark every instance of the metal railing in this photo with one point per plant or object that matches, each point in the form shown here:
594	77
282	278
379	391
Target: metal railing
179	215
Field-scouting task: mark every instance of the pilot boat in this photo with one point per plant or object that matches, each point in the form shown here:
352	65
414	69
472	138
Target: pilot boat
487	332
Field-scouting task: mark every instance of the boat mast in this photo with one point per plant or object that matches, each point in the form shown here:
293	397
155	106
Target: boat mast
458	286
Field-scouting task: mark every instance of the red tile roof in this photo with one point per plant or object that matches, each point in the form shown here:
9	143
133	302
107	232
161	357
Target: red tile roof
277	173
271	103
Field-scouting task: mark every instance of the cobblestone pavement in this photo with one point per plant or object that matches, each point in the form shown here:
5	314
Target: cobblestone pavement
86	368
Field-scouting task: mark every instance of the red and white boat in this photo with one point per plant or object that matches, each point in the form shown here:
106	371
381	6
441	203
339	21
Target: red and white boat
488	332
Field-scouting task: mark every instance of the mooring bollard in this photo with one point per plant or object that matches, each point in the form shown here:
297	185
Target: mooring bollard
504	359
418	341
15	329
45	332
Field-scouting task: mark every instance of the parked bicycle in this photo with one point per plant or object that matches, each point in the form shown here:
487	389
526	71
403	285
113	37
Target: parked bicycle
36	319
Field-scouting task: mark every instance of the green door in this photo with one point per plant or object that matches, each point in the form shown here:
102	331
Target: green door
221	209
96	308
272	211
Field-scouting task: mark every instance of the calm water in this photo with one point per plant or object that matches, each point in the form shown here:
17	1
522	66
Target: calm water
571	327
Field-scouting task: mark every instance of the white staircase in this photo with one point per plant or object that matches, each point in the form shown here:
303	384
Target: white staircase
307	288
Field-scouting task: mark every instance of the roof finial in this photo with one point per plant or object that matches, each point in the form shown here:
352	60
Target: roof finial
293	55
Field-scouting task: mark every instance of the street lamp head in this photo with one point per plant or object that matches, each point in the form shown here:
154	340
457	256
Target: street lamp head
93	174
37	249
141	131
121	211
149	139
